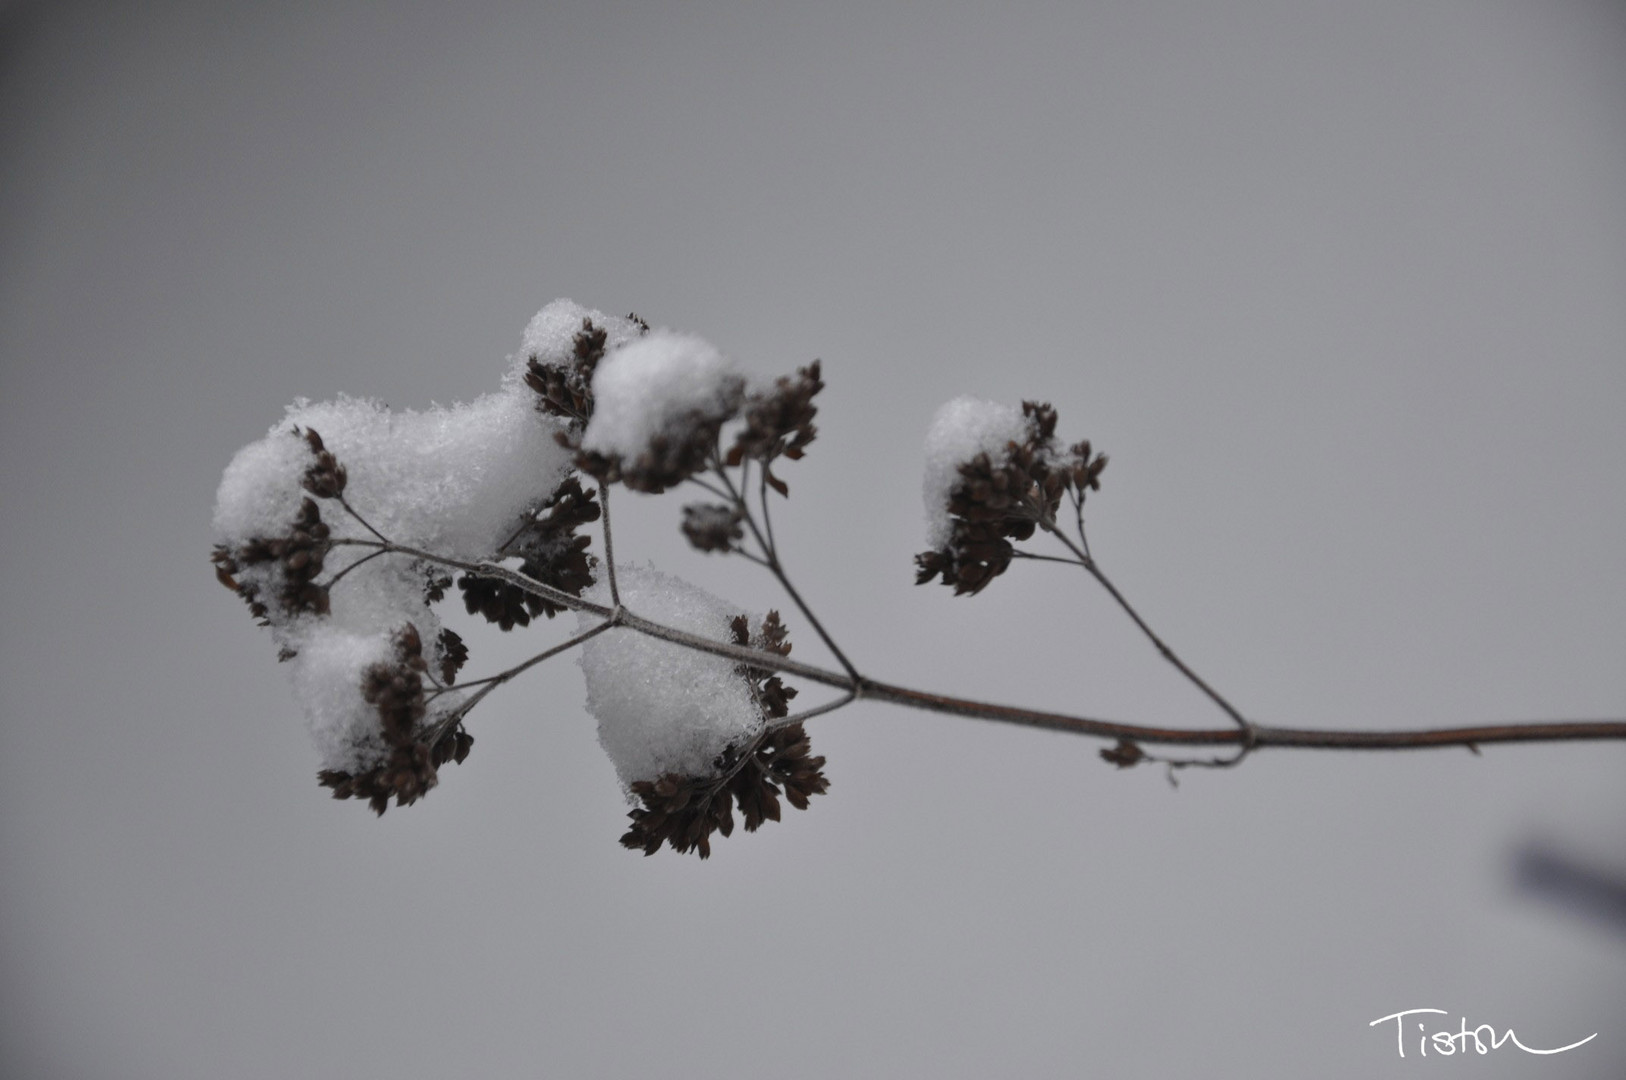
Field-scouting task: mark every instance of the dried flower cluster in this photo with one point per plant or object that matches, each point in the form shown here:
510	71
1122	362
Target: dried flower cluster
683	811
295	560
767	689
668	443
566	390
326	478
415	751
671	456
779	423
1003	497
297	556
553	554
412	751
453	654
713	526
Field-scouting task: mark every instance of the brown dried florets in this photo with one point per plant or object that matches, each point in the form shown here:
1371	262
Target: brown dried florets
435	585
683	811
498	601
297	558
779	423
767	688
408	771
977	553
395	689
1002	498
566	389
453	655
713	527
326	478
553	554
1083	470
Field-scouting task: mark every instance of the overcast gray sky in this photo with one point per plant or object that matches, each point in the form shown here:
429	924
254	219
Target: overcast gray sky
1338	286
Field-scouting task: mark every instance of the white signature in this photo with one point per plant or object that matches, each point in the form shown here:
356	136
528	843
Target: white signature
1447	1043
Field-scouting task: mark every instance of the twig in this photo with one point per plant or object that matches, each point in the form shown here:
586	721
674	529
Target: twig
346	504
365	558
767	515
493	681
1263	735
818	710
609	546
1247	728
778	571
1017	553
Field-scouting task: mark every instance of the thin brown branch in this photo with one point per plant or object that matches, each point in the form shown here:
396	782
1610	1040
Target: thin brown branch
364	559
1018	553
1263	735
609	545
778	570
491	682
818	710
363	521
1245	726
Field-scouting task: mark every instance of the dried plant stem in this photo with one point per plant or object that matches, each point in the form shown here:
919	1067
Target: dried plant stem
1247	728
762	498
609	545
777	570
363	521
818	710
491	682
871	689
364	559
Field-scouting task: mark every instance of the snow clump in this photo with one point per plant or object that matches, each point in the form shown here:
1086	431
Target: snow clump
655	388
550	337
456	481
662	708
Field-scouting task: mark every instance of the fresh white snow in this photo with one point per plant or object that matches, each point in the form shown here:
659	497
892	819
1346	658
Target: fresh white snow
652	386
661	707
452	480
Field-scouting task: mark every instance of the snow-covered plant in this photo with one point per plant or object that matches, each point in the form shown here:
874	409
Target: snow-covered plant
348	523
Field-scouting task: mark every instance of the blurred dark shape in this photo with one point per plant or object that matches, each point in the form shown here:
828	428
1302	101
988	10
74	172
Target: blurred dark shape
1584	889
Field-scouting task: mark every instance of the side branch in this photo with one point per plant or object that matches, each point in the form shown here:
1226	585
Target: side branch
771	561
1088	563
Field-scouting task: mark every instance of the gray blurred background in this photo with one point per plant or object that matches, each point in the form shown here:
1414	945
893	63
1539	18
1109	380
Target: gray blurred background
1340	287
